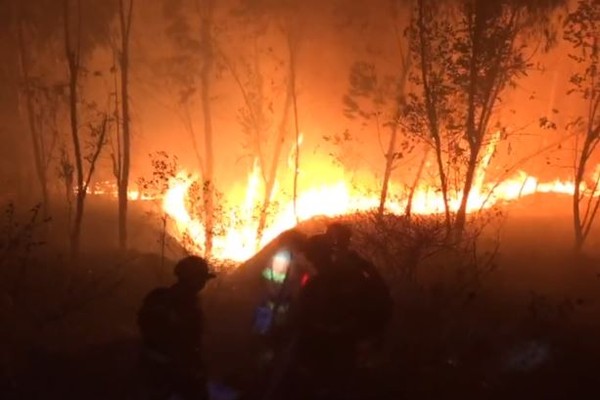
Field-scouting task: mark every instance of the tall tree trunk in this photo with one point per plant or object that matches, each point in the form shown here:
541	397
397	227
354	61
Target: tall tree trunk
432	115
189	125
123	179
582	225
77	222
272	175
72	55
578	224
413	188
391	152
443	182
461	215
389	166
473	134
292	51
205	78
36	136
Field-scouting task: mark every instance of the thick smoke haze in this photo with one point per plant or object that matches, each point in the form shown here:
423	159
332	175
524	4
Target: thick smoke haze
332	36
456	140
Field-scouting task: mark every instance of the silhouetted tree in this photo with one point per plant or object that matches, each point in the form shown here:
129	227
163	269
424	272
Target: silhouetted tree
582	32
469	53
73	57
293	39
123	158
257	116
32	26
378	96
85	25
37	139
191	27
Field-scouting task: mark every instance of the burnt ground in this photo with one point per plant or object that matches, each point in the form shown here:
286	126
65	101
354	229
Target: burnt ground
528	329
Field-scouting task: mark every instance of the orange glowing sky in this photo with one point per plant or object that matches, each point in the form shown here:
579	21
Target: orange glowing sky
327	50
323	62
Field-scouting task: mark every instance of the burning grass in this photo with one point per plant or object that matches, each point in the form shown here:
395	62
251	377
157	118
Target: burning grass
238	237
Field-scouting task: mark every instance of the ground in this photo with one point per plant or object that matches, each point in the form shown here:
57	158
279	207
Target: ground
529	330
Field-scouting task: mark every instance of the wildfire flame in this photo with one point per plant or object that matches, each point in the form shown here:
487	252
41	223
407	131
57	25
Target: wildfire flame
239	242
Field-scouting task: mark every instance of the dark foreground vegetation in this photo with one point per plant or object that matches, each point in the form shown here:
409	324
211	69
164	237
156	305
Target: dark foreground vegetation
518	321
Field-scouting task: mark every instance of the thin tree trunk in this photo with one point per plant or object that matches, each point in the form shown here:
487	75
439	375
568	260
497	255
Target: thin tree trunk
473	136
69	199
77	222
443	182
476	131
391	152
205	77
123	179
461	215
117	158
593	205
272	175
389	165
72	56
415	184
592	138
36	137
292	50
189	125
578	224
430	104
66	173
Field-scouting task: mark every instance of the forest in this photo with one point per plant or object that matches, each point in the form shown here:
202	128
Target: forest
457	138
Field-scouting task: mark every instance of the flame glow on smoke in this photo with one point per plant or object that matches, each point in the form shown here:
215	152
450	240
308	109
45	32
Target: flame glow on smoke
337	199
239	242
236	238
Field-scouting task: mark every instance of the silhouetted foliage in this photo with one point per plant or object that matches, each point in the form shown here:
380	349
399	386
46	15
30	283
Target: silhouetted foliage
582	32
469	53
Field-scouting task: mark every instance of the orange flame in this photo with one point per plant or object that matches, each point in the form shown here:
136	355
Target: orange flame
238	241
335	199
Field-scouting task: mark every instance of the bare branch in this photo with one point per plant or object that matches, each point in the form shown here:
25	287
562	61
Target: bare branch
101	141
